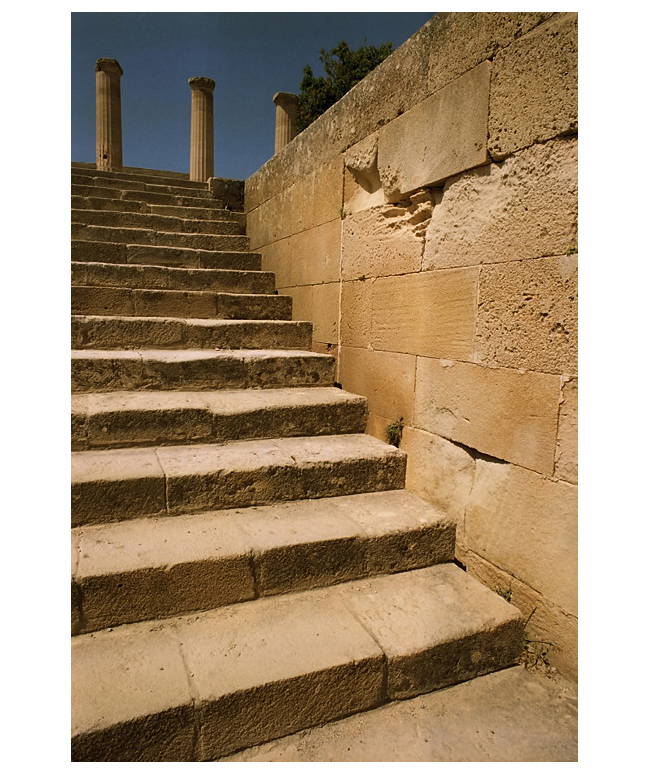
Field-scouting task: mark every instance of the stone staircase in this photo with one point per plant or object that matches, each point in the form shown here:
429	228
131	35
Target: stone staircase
245	561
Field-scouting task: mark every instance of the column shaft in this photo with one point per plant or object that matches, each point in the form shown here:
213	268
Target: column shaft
202	129
108	124
285	118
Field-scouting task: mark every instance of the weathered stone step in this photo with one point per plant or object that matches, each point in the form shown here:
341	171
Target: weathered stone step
171	278
121	419
119	253
154	568
151	221
138	183
138	174
119	484
107	333
189	198
131	236
111	370
144	302
136	206
199	687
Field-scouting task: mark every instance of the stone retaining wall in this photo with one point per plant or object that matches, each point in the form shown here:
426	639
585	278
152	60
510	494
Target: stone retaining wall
427	226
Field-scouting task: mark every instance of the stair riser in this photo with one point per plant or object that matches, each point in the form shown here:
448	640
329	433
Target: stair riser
96	502
88	300
185	258
159	592
227	242
114	333
192	199
210	374
202	426
177	188
187	225
191	212
169	278
143	176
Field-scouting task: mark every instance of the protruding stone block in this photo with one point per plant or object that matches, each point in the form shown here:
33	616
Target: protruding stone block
202	129
108	114
285	118
442	136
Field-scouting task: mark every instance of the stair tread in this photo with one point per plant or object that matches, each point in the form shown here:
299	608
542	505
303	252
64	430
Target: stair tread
385	630
170	356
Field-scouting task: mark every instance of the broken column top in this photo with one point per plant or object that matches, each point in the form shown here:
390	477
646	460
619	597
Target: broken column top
284	98
202	83
109	66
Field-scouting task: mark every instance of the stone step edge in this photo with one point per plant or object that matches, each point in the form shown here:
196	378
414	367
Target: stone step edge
162	418
200	562
83	216
201	687
127	483
173	271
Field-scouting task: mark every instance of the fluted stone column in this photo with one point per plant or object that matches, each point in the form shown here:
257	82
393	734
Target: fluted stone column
108	126
285	118
202	129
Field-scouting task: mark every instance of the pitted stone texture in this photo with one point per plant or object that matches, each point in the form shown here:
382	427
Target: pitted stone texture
461	41
528	315
499	412
528	526
534	88
132	700
384	240
361	161
526	207
437	470
386	379
442	136
509	716
566	454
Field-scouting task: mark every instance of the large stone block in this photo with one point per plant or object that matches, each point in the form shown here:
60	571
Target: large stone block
437	470
534	88
429	313
503	413
384	240
356	313
460	41
307	202
526	525
526	207
387	380
307	258
566	453
442	136
528	315
320	305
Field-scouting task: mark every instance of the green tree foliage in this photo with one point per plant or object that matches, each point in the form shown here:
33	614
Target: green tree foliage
344	68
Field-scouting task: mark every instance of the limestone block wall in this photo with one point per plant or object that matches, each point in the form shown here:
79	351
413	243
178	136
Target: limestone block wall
427	226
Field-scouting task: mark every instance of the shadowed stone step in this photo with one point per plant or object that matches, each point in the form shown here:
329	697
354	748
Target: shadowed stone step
111	370
196	210
171	278
154	568
161	223
203	686
103	420
84	251
128	183
186	199
94	300
113	485
158	177
228	242
108	333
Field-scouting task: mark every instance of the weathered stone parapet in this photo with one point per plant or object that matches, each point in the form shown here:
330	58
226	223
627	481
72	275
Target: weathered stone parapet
108	126
285	118
202	129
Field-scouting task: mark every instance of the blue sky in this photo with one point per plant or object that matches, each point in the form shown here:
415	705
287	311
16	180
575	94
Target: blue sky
250	55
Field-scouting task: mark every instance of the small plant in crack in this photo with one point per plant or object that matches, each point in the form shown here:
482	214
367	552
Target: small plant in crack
534	655
506	594
394	432
571	250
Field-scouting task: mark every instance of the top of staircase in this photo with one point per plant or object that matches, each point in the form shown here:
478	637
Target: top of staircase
79	166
